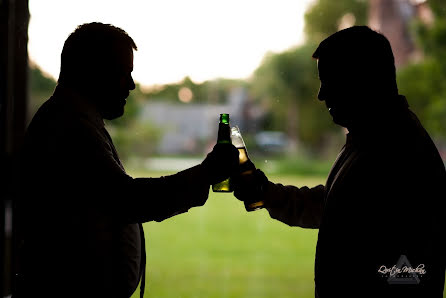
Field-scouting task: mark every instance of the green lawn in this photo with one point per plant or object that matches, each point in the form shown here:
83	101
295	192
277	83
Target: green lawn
220	250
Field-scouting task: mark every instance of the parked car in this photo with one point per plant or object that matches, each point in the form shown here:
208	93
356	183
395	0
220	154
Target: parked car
271	141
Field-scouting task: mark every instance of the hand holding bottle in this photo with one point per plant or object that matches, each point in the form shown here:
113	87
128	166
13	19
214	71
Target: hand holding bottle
221	163
247	187
250	188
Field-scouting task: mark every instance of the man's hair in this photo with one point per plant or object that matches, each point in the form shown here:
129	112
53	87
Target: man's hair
362	52
91	47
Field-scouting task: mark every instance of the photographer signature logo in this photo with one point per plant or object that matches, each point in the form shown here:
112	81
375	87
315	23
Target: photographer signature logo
403	272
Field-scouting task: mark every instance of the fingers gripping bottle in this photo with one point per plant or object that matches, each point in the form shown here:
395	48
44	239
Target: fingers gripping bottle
224	136
247	167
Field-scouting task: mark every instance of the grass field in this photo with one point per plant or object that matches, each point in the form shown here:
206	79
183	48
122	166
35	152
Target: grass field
220	250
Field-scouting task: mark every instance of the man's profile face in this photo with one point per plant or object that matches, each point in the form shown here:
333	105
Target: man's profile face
340	92
115	84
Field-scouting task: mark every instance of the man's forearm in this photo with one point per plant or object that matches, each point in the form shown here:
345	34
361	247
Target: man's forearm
295	206
147	199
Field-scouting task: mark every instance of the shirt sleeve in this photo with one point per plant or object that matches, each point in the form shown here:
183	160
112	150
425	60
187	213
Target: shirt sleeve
129	199
302	207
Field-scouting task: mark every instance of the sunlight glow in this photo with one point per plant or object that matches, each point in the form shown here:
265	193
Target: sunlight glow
199	38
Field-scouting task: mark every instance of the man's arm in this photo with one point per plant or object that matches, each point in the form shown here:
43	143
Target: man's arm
96	167
147	199
302	207
294	206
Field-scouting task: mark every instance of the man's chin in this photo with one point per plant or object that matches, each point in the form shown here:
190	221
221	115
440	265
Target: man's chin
113	114
339	120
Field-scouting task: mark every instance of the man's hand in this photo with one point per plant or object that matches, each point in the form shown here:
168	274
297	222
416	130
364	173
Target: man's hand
221	163
249	188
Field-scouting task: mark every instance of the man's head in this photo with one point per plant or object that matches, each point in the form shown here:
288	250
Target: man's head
97	61
357	73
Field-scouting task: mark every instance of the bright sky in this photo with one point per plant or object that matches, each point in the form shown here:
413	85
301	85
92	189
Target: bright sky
203	39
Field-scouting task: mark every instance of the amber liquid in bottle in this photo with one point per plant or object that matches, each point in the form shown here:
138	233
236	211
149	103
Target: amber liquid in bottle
246	166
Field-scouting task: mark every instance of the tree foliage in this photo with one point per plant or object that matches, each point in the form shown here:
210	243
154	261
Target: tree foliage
212	91
423	82
323	17
288	82
41	87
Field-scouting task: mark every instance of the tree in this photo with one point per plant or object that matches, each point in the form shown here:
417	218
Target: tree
212	91
323	18
41	87
423	82
289	83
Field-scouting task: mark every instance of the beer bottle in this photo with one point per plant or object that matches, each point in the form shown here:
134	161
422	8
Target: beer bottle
224	136
247	167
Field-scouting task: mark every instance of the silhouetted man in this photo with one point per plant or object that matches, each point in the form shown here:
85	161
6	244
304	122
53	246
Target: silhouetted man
383	202
82	212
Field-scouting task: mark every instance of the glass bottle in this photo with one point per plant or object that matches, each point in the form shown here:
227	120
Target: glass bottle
247	167
224	136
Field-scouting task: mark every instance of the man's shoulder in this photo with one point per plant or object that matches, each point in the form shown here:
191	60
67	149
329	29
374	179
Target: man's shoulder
57	125
58	114
52	113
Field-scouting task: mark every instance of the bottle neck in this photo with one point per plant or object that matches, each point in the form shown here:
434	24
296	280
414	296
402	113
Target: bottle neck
224	133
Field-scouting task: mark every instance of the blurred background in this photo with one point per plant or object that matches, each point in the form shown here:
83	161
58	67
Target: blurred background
251	59
231	60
